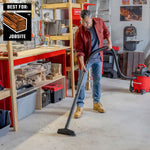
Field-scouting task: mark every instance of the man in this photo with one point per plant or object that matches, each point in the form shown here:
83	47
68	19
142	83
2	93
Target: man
88	38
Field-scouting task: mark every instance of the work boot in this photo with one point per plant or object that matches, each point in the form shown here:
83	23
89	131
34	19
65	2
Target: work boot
78	112
98	107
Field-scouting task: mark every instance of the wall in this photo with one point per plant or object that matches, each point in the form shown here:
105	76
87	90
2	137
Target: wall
36	25
117	26
143	27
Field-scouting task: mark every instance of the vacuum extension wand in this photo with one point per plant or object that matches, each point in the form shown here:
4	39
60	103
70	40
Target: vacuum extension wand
67	131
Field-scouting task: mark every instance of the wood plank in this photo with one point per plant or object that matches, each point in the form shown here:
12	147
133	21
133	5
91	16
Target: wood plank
5	1
130	64
40	50
13	86
63	37
81	1
60	6
39	99
125	63
4	93
82	6
148	67
71	46
55	6
33	8
135	61
3	58
141	57
121	61
37	51
14	21
54	14
54	17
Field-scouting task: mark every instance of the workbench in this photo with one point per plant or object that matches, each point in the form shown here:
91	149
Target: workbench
55	54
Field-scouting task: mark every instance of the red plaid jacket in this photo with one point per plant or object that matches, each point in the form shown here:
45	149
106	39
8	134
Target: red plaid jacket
82	41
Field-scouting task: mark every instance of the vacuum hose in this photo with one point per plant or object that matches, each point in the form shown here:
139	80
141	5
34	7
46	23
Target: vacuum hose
115	57
117	65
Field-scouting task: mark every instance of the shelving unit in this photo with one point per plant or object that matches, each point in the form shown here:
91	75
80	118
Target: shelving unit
69	37
55	54
10	91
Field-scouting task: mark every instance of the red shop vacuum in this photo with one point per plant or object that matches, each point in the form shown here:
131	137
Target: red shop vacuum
142	82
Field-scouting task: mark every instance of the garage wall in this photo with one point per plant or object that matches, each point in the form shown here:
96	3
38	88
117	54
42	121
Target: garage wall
143	27
117	26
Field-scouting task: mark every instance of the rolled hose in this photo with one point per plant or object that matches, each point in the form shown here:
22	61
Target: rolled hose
115	57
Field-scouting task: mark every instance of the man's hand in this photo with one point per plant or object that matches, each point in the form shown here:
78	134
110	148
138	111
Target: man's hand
83	68
109	44
81	59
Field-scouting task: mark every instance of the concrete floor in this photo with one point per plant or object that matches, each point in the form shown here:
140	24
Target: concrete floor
124	126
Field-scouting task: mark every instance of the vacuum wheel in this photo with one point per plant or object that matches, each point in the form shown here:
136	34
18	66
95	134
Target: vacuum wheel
142	91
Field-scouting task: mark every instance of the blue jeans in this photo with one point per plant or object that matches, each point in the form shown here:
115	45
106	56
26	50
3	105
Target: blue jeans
97	75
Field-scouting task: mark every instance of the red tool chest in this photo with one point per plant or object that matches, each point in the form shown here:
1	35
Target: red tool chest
56	92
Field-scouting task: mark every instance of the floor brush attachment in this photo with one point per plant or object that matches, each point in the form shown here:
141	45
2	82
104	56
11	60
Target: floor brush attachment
66	131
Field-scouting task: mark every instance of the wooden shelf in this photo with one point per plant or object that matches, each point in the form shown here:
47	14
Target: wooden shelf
4	93
40	84
3	58
36	51
60	6
63	37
